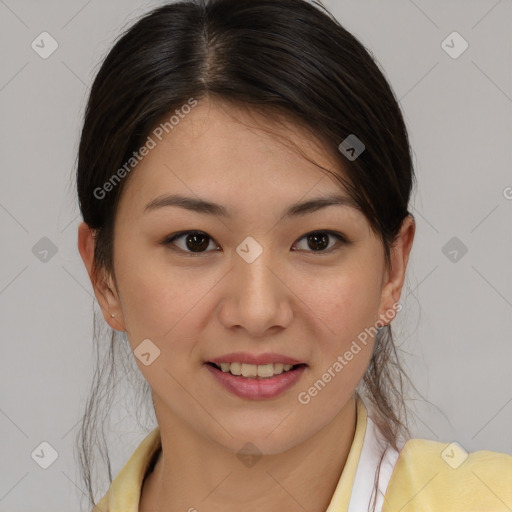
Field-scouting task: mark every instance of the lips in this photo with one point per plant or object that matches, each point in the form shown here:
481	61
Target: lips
256	377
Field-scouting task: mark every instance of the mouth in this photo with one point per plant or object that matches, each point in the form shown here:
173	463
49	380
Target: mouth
255	371
251	381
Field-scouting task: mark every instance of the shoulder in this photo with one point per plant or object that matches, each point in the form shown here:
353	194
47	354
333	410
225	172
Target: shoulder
124	492
430	475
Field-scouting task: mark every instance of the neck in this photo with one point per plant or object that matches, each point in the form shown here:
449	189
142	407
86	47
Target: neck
196	474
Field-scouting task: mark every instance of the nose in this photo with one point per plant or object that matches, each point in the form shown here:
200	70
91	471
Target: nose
256	297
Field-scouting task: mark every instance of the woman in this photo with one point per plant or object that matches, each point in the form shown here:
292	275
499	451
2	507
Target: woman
244	176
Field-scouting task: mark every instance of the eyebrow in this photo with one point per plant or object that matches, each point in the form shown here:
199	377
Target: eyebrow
217	210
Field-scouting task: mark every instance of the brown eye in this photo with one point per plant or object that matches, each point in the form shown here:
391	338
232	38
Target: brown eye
192	241
197	242
318	241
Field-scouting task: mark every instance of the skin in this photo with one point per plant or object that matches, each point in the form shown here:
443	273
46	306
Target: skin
291	300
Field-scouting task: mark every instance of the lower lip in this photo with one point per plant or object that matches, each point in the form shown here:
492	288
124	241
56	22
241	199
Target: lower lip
257	389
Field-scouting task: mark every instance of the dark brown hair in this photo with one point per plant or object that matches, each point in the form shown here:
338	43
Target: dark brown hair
287	56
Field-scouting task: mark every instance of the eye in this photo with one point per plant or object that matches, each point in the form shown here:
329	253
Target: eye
319	240
193	241
197	242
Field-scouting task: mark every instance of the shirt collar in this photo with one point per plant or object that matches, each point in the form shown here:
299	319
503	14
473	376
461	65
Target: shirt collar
341	498
124	492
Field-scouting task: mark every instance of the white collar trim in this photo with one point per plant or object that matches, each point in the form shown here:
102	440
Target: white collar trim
364	481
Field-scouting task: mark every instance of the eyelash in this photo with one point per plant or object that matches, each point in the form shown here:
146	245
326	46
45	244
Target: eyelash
168	242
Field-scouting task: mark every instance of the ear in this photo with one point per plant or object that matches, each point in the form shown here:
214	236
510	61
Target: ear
394	276
103	284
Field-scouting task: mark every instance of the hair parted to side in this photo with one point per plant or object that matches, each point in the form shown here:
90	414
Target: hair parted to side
290	57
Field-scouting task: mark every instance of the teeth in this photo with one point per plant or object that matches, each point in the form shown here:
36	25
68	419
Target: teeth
235	368
253	370
249	370
265	370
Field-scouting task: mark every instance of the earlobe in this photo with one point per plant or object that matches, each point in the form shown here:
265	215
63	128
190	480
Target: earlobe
104	289
395	274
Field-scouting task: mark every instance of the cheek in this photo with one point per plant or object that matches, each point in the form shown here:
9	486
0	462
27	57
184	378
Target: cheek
347	306
157	299
345	303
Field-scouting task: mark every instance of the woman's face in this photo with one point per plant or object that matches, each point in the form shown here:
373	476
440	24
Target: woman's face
251	287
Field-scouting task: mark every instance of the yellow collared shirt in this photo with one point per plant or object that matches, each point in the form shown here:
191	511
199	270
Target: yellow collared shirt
425	476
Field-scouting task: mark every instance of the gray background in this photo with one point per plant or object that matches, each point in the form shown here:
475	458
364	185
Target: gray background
456	323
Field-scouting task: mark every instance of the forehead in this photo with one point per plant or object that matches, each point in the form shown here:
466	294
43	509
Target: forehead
231	153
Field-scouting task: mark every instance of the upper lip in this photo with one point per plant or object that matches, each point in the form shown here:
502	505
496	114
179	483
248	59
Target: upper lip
260	359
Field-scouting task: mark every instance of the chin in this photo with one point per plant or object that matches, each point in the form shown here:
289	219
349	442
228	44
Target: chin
260	441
